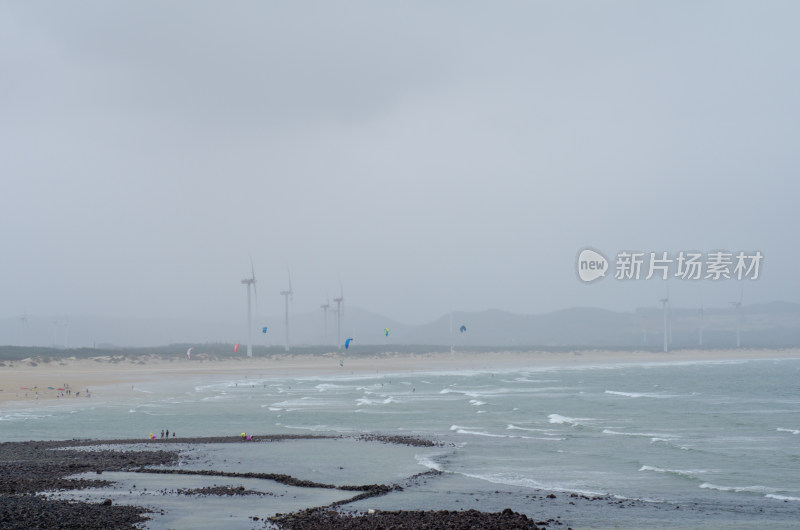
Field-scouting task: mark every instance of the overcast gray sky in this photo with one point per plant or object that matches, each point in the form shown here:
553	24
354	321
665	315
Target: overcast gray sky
432	155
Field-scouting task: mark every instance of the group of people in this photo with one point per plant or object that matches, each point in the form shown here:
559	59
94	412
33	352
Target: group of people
164	435
60	392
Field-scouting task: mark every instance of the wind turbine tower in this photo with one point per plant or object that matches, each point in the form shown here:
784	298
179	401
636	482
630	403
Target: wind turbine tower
286	295
664	304
738	307
325	307
24	321
251	281
339	308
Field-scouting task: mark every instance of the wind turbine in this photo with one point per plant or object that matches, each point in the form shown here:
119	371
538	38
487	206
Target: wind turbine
251	281
738	307
24	321
325	307
452	341
664	305
643	325
339	309
286	295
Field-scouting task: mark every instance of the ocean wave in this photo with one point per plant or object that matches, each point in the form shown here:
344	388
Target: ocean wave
367	401
531	483
23	416
738	489
559	419
322	387
548	432
314	428
793	431
476	403
427	461
654	437
687	473
493	392
781	497
461	430
302	403
639	394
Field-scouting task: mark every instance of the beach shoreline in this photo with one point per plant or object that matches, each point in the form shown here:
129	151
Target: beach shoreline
30	380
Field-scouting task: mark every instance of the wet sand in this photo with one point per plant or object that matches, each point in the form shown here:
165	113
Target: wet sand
23	380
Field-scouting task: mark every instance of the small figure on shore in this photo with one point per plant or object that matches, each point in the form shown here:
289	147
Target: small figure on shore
162	433
173	434
167	433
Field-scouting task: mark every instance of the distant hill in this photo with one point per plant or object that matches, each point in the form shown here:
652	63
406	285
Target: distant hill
775	324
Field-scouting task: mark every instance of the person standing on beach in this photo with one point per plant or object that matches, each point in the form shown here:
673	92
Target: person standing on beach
162	433
167	433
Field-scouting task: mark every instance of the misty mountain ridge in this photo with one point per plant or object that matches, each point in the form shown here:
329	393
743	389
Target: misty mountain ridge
775	324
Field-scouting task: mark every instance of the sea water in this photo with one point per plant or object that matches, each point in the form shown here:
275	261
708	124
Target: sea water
717	432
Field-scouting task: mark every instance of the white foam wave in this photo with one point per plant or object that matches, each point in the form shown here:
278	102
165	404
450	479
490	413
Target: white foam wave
322	387
638	394
427	461
462	430
781	497
548	432
559	419
23	416
367	401
654	436
476	403
793	431
502	478
302	403
314	428
738	489
688	473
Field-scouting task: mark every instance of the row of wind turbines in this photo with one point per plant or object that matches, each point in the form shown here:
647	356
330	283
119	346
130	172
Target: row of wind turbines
287	295
667	309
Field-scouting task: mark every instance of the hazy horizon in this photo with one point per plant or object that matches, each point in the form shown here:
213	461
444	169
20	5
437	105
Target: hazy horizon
425	157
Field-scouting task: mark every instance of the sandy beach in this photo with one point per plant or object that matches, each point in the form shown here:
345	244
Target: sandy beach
29	380
512	438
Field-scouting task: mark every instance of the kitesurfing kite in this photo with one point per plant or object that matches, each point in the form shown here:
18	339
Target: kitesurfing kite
236	349
386	331
463	328
189	353
264	329
347	343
